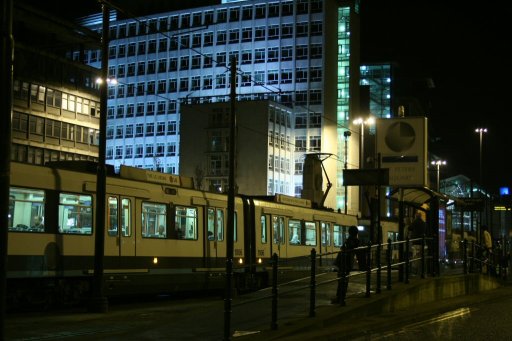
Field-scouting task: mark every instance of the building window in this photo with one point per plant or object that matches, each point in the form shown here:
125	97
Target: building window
260	11
246	34
273	54
129	130
196	61
259	56
208	39
207	82
273	32
139	130
184	63
298	167
184	84
286	76
247	13
140	109
139	150
272	77
221	15
129	151
207	60
130	110
162	45
162	86
316	28
160	128
221	37
161	108
316	51
259	33
302	29
196	40
315	143
171	128
173	64
171	149
234	36
301	52
220	81
221	59
149	150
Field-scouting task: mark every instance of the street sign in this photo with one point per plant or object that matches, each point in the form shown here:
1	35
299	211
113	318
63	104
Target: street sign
360	177
402	146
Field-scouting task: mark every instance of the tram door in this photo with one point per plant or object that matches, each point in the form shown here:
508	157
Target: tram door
215	233
278	235
326	236
119	234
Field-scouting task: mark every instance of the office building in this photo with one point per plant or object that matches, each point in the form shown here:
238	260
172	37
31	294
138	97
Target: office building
302	54
55	100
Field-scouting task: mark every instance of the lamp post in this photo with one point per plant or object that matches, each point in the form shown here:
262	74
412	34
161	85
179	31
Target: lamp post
346	134
438	164
481	131
363	122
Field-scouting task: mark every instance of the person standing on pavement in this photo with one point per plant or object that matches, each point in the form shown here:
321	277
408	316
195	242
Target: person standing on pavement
345	262
487	251
417	230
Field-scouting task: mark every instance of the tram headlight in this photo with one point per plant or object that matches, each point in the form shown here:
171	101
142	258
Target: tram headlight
240	261
260	261
155	260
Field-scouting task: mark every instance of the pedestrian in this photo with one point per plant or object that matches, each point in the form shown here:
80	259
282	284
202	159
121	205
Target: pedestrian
345	262
487	249
417	231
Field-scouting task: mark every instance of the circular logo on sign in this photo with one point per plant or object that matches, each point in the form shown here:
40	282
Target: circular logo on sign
400	136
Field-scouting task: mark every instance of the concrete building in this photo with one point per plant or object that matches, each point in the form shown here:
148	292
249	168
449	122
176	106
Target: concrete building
55	100
264	148
303	54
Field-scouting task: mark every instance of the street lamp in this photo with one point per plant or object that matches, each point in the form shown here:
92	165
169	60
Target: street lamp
438	163
363	122
480	131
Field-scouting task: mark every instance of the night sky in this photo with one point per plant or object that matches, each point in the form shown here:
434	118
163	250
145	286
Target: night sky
463	49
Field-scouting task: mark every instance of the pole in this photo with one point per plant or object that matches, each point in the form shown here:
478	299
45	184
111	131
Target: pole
437	183
99	303
347	134
231	205
6	78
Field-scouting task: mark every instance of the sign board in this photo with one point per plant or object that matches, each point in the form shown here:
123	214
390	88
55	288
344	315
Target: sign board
360	177
402	146
470	204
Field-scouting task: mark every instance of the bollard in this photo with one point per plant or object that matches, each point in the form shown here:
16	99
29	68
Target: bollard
273	324
312	287
406	260
369	270
423	257
388	261
379	268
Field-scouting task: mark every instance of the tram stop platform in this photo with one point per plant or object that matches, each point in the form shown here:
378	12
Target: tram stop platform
403	301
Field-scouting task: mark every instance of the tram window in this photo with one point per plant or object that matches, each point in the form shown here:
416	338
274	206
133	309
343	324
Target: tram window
215	224
126	221
310	233
278	228
235	235
75	213
220	225
263	229
153	216
294	231
326	234
112	222
26	209
337	235
186	223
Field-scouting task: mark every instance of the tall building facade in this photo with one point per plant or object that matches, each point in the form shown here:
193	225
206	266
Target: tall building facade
303	54
56	105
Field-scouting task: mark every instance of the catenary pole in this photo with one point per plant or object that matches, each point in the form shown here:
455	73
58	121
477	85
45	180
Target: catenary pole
99	302
231	205
6	78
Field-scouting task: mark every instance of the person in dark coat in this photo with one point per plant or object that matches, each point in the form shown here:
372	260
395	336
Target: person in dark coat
345	261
